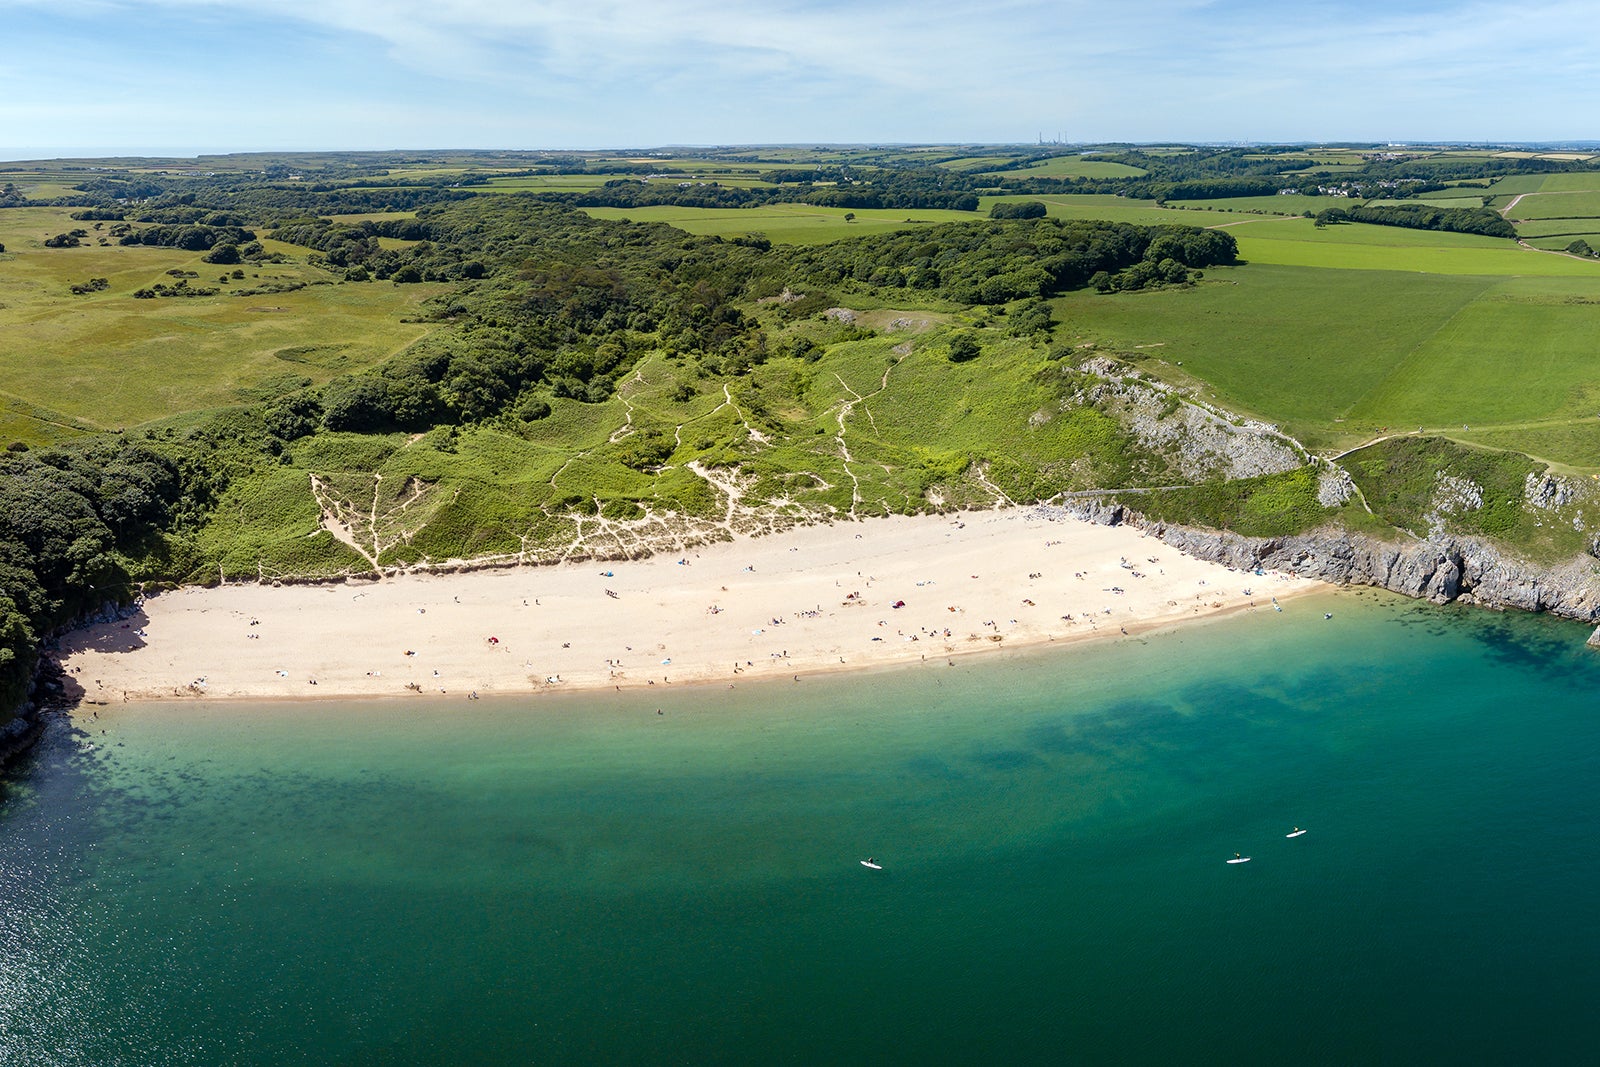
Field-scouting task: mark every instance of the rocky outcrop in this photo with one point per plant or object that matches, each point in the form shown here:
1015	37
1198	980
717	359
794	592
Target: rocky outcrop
20	732
1200	443
1440	570
51	689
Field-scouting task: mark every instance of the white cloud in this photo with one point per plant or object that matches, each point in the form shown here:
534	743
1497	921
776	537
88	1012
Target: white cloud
630	71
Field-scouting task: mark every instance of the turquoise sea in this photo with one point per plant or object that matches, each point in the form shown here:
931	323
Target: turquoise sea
582	880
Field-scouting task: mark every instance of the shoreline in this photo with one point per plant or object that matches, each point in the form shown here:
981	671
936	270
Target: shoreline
805	601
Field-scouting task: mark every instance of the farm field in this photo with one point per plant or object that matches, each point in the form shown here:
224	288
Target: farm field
811	224
976	164
1118	209
1520	352
1503	189
1443	258
1566	183
543	183
1439	350
1566	205
1076	167
1556	227
1589	232
784	223
1361	233
1437	200
1283	204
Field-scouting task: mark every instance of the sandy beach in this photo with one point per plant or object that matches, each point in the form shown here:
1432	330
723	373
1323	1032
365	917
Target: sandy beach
817	598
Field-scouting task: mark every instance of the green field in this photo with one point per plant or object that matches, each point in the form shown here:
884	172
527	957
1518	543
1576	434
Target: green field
1567	205
1120	209
784	223
1338	355
110	361
1391	248
1526	183
976	164
1559	242
1437	200
1520	352
810	224
1573	444
1282	204
1074	167
1566	183
1365	234
1555	227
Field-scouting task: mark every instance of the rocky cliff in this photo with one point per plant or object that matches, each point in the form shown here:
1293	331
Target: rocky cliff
1442	570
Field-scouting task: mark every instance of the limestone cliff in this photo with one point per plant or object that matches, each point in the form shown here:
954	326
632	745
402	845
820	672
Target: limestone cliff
1442	570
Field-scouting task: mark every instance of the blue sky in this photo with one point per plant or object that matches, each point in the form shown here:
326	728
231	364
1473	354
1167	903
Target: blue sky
96	76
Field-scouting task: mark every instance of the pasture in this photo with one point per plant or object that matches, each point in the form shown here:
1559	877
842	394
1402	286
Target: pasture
1280	204
1444	257
1336	355
1361	233
1470	202
107	360
785	223
1119	209
1071	167
1571	204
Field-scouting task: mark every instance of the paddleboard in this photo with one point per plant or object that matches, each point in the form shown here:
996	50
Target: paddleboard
1296	833
874	866
1240	859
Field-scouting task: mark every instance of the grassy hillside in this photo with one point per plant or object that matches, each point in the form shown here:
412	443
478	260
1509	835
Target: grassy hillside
107	360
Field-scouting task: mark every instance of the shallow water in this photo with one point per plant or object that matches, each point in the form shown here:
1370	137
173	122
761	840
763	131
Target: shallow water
586	880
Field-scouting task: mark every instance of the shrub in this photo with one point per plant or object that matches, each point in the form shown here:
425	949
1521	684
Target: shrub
964	347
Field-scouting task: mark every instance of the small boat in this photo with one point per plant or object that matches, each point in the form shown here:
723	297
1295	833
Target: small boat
870	863
1296	832
1240	859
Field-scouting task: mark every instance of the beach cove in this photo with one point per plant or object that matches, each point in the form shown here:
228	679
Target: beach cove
824	598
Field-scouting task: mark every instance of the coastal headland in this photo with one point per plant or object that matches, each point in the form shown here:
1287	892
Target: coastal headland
811	599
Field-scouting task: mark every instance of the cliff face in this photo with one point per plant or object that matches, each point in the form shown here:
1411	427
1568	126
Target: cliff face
1441	571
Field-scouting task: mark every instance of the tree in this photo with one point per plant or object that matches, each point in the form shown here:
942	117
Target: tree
1033	317
849	216
964	347
1024	209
